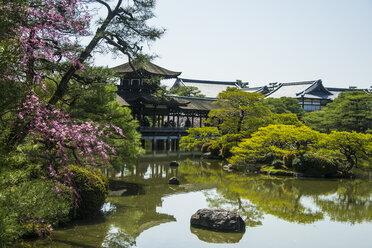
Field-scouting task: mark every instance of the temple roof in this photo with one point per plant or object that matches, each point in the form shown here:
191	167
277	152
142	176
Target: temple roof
196	103
208	88
262	89
306	89
127	98
146	66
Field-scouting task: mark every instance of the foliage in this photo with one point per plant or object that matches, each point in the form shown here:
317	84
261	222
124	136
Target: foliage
92	188
32	208
351	146
239	112
237	116
186	91
43	126
287	119
284	105
97	102
280	139
324	152
315	165
45	39
198	136
277	164
350	111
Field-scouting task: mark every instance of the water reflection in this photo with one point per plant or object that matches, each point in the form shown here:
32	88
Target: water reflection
216	237
295	200
142	219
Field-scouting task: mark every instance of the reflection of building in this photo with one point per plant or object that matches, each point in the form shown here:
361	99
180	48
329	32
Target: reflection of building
312	95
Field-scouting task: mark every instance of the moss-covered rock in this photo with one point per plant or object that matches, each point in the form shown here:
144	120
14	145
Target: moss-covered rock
92	187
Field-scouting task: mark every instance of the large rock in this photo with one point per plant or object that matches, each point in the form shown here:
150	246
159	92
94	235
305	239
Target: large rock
173	163
174	181
217	220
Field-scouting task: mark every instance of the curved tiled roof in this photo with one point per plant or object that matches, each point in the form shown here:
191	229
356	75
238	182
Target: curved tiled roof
206	87
146	66
291	89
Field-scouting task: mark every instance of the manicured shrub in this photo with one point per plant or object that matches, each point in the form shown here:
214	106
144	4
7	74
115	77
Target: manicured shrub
314	165
92	188
31	209
277	163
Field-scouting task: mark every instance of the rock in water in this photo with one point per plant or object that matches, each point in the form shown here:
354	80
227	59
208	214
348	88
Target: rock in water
218	220
173	163
174	180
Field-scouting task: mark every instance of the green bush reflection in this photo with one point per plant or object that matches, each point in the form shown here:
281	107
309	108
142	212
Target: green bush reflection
295	200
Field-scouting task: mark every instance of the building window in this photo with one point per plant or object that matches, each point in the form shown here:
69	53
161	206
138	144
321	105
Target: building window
135	82
310	108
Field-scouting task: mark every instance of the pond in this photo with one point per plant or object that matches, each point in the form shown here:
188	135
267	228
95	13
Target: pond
278	211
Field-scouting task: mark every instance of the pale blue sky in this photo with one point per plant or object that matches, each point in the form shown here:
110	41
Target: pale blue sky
262	41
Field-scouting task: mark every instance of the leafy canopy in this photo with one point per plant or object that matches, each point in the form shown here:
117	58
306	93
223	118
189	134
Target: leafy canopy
280	139
350	111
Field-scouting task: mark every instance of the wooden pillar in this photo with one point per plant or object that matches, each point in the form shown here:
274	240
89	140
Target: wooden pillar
177	144
153	147
200	120
162	120
178	120
192	119
168	144
154	119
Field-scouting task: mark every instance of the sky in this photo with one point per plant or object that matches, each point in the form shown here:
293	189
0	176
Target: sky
263	41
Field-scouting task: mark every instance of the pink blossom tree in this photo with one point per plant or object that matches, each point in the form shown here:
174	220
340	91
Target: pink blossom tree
44	36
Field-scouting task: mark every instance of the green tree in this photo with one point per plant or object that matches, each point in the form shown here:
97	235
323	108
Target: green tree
96	101
280	139
198	136
350	111
351	146
238	114
186	91
284	105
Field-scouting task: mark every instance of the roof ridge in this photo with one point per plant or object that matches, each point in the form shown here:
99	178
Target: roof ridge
207	81
256	87
274	90
299	83
196	98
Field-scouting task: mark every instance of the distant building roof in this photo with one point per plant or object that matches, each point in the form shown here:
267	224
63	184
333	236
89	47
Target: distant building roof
290	89
307	89
208	88
196	103
146	66
262	89
336	91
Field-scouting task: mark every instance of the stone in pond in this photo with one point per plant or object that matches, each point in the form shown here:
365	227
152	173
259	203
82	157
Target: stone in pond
174	181
217	220
173	163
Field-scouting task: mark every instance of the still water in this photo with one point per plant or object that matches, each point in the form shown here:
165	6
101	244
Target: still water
279	212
